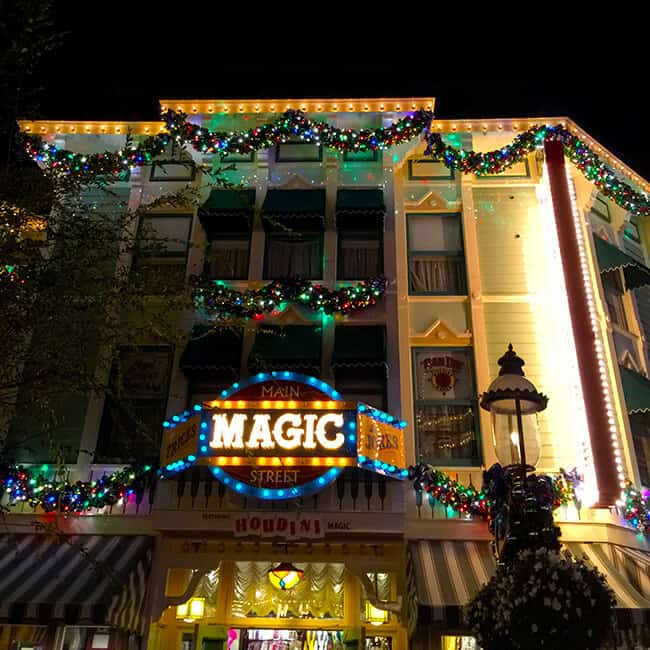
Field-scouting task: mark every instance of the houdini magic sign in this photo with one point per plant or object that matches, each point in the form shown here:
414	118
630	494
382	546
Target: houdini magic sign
280	435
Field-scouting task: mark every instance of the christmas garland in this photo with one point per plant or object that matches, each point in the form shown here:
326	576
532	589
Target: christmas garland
21	485
497	161
635	506
217	300
468	500
294	124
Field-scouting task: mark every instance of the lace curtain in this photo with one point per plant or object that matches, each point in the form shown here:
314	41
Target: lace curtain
207	588
228	259
445	431
359	259
287	257
318	595
436	275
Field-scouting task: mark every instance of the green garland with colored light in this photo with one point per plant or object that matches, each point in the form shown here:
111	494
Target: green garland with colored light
295	124
635	506
580	154
216	300
469	500
52	494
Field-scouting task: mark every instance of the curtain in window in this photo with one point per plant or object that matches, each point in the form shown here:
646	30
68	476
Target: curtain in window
436	275
228	259
445	431
286	257
359	259
318	595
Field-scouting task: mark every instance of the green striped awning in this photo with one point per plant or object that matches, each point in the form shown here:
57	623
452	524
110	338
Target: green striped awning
359	345
228	211
611	258
294	347
450	573
636	389
295	202
360	209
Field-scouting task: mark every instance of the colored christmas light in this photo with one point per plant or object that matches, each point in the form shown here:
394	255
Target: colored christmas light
216	300
635	507
22	485
469	500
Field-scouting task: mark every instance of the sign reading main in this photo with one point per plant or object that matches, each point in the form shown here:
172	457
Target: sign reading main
282	435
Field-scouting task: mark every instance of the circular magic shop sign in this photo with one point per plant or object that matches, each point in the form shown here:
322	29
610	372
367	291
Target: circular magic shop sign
281	435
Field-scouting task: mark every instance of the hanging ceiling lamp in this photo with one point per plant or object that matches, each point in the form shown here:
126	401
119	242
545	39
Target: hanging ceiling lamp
285	576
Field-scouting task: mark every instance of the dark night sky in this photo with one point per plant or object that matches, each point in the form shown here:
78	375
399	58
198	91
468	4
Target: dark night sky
116	66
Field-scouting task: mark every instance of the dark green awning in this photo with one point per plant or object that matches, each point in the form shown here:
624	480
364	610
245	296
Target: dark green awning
611	258
299	209
228	211
209	351
360	209
292	347
359	345
636	389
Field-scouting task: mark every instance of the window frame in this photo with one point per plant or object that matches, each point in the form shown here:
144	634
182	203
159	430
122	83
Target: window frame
420	161
373	158
166	215
472	403
432	253
604	215
169	349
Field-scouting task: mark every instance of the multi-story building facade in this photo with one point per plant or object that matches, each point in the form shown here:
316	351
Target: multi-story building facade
535	256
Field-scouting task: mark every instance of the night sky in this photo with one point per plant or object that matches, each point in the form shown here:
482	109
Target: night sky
117	64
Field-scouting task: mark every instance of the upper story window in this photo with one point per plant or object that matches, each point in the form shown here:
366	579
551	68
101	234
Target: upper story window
227	218
163	243
446	422
436	260
614	290
135	408
293	220
360	220
601	209
298	151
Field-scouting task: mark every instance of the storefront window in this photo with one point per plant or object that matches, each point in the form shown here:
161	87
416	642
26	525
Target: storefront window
250	639
319	594
459	643
445	406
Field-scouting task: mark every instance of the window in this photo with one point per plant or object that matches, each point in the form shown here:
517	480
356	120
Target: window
613	288
631	231
227	257
367	385
436	261
640	425
298	152
161	257
360	255
290	253
367	155
601	209
135	409
446	422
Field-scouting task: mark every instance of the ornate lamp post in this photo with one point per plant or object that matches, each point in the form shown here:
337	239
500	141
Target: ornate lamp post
514	402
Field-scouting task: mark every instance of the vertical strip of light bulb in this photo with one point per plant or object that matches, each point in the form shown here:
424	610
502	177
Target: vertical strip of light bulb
600	345
564	344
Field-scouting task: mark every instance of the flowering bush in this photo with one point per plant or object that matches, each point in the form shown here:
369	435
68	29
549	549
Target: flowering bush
542	599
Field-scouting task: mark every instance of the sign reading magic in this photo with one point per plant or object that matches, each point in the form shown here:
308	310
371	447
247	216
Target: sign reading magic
281	435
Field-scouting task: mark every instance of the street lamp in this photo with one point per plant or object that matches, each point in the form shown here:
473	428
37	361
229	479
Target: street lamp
513	402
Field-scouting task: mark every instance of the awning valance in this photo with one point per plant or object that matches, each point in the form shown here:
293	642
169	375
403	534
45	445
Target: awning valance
636	389
360	209
213	351
294	209
611	258
448	574
81	579
294	347
227	211
359	346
